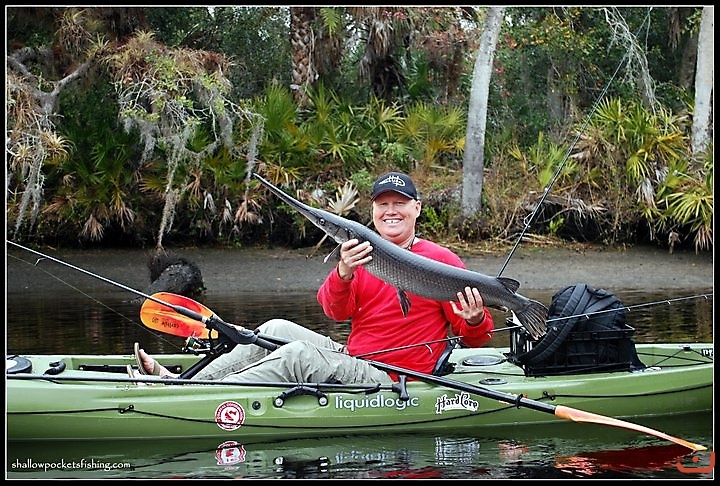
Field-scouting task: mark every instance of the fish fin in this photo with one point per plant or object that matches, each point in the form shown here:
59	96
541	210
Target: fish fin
404	302
509	283
325	260
533	317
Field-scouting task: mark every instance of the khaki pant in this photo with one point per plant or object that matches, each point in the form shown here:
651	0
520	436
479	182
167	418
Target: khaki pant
309	357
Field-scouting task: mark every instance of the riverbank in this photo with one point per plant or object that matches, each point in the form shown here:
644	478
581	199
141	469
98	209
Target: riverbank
229	271
535	268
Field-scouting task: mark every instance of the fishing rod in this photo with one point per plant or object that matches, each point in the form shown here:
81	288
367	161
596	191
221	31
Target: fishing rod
587	315
208	317
86	272
529	219
369	388
237	334
631	307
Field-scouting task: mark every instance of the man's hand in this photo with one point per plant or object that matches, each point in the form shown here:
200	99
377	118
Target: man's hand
352	255
471	306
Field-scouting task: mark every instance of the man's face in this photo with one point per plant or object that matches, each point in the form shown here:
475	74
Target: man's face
394	216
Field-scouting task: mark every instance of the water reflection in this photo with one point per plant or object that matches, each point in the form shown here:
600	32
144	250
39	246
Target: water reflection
555	451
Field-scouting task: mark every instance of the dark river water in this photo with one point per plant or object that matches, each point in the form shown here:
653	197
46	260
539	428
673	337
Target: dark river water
86	316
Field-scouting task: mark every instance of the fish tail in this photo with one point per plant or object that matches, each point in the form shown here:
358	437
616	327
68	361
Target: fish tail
533	317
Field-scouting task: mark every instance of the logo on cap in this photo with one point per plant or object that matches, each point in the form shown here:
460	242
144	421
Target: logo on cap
393	179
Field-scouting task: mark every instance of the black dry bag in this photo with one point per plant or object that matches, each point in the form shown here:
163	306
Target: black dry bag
587	333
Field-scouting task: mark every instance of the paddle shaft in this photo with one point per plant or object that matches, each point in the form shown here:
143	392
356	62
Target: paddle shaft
517	400
238	335
560	411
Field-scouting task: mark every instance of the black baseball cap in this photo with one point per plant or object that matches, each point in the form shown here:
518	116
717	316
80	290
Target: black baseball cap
394	181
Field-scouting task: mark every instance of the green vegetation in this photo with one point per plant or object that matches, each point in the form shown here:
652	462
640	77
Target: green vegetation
153	144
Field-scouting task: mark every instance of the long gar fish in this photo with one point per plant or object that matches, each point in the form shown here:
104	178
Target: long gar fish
419	275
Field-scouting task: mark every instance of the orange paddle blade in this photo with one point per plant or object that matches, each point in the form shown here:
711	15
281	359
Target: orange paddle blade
170	322
182	301
165	319
580	416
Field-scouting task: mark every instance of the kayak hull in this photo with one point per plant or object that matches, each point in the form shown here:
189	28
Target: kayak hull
87	397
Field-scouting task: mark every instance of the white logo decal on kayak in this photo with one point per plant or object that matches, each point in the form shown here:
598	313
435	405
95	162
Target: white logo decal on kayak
379	401
229	415
458	402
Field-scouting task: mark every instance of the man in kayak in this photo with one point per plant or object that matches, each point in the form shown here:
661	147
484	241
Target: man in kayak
380	330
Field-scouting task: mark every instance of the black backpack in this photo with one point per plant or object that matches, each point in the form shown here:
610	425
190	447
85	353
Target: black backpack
594	336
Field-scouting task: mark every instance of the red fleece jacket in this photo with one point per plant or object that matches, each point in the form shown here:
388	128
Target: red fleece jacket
378	323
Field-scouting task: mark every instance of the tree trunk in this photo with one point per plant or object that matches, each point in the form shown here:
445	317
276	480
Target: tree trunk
302	43
686	73
704	78
555	96
473	159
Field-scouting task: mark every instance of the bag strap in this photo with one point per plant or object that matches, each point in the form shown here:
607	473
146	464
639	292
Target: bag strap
557	333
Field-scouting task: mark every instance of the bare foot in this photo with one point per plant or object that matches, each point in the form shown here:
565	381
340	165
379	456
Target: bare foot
153	367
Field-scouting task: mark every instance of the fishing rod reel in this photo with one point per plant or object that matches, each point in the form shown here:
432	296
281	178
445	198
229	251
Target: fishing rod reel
196	346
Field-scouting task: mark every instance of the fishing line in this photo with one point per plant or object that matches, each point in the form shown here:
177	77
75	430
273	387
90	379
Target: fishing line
130	289
452	340
114	311
529	219
617	309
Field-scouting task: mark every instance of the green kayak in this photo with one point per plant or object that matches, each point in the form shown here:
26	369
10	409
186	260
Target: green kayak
86	397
